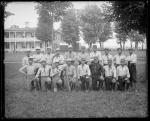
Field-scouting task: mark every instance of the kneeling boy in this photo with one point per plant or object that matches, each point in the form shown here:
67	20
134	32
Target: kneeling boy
123	75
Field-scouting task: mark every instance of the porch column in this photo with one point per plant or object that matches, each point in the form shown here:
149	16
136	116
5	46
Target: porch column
15	42
34	39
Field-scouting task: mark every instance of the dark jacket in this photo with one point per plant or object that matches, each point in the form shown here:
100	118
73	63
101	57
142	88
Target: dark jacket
96	70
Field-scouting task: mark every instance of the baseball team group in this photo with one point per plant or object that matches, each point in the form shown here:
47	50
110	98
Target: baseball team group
85	70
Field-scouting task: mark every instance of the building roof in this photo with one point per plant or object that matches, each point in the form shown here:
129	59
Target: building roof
16	28
20	29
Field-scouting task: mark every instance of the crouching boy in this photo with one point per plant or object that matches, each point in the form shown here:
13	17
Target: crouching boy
70	80
110	76
123	76
44	74
55	75
84	75
29	71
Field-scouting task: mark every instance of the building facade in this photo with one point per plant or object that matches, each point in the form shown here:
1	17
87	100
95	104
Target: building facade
21	39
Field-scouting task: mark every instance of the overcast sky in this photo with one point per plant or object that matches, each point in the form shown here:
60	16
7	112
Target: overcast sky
25	11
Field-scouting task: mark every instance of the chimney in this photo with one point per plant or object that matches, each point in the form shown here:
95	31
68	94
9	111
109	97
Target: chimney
26	24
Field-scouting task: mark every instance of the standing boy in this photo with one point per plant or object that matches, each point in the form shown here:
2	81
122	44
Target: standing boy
96	53
29	71
118	57
25	60
132	60
106	57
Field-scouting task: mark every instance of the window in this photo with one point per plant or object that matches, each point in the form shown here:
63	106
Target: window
23	45
40	45
6	45
6	34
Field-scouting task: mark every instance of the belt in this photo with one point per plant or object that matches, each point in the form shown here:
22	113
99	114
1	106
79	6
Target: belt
121	76
44	76
109	77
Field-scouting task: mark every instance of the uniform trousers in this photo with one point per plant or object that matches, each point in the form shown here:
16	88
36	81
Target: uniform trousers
109	85
132	70
85	82
29	81
44	81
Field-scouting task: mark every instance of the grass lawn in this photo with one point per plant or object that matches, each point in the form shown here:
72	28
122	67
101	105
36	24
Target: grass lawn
20	103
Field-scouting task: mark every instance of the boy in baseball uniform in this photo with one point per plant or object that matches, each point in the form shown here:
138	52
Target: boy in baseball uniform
110	76
123	76
29	71
132	60
70	75
84	75
44	73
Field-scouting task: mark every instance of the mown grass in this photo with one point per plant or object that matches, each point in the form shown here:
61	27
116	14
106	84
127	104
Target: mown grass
20	103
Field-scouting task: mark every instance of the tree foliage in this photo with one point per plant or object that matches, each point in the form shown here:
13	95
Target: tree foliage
49	12
70	27
6	13
121	35
131	15
56	9
136	37
44	29
95	24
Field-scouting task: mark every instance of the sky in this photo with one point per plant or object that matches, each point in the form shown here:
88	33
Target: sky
25	12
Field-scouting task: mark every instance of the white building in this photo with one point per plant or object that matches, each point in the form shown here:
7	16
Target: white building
21	39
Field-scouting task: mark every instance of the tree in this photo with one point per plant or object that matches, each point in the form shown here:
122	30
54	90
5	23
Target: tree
70	28
44	29
95	24
134	36
131	15
6	13
121	35
56	10
88	34
105	34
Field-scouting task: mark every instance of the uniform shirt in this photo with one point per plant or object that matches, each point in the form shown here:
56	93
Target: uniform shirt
96	69
70	71
132	58
29	69
110	71
48	58
71	55
84	70
94	54
59	58
83	55
44	71
123	71
25	61
117	58
54	71
37	57
106	57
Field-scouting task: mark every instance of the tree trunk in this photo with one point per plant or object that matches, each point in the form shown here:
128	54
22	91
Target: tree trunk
136	45
123	45
100	44
120	45
131	44
142	45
